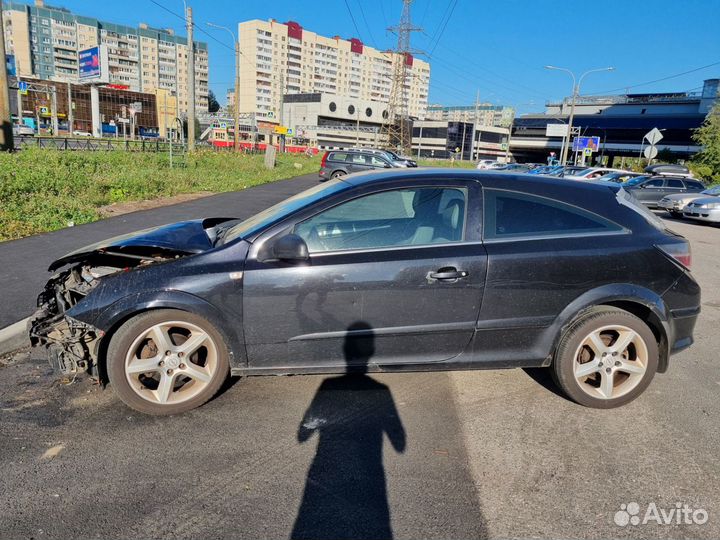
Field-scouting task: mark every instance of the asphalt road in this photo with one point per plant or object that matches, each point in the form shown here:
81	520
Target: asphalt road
429	455
23	271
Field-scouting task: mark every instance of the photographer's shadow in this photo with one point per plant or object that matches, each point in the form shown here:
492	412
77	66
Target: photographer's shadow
345	493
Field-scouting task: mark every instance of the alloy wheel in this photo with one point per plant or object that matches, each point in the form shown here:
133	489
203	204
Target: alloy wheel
171	362
610	362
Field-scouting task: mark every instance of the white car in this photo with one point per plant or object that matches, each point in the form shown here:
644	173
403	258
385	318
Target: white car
487	164
705	209
22	129
79	133
675	204
592	173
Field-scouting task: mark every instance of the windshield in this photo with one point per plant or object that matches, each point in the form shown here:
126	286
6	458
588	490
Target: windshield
715	190
277	212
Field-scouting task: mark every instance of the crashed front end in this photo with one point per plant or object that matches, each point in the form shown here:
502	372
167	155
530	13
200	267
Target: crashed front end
70	344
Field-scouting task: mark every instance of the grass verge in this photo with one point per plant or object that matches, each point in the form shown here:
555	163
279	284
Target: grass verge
45	190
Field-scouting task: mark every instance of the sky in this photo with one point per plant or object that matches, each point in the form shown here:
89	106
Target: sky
495	48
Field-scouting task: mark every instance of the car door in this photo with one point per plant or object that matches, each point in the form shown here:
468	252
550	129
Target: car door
402	263
650	192
358	162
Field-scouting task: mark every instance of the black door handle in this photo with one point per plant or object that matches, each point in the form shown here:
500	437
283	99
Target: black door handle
444	274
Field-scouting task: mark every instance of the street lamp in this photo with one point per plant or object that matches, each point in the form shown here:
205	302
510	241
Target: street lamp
237	83
575	93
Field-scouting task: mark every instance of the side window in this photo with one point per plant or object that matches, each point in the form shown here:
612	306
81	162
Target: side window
358	159
403	217
377	162
657	183
510	214
694	185
675	184
337	156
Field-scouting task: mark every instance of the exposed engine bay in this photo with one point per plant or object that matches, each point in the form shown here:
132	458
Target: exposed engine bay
72	345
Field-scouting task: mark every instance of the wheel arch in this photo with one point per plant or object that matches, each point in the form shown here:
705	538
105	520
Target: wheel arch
645	304
121	311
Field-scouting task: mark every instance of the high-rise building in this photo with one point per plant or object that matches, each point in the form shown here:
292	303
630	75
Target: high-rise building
283	58
482	114
45	42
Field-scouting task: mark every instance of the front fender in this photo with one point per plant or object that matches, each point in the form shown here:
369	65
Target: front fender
111	317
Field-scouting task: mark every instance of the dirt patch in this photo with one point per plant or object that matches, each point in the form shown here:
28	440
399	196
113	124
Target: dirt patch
119	209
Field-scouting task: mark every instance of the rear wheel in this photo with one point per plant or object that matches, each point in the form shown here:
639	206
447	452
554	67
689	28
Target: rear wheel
606	359
338	174
166	362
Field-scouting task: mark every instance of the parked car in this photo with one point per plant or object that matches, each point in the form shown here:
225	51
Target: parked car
392	156
650	189
336	163
620	177
675	204
486	164
80	133
421	269
591	173
571	169
704	209
22	130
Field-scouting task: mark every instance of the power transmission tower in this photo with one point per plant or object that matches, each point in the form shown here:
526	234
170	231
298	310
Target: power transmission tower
398	128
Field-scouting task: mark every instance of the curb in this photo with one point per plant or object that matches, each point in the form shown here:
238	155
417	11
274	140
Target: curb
14	337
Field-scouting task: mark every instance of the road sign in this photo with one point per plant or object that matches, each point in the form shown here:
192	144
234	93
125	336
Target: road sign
281	130
653	136
556	130
504	146
223	125
23	87
581	143
650	152
45	111
587	152
289	131
270	114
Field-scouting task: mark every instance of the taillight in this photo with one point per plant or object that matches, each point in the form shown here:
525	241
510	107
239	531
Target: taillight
680	251
323	161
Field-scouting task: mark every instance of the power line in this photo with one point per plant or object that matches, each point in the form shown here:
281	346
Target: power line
382	10
353	19
427	5
452	10
362	12
656	80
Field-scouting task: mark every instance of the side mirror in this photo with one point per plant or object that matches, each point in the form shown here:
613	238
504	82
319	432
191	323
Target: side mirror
290	248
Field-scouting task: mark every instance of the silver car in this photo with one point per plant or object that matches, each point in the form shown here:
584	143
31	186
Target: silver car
675	204
704	209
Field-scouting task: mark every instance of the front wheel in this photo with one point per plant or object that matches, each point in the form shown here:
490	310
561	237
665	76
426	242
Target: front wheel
167	362
606	359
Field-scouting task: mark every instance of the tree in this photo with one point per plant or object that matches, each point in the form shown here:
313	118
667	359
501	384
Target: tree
213	105
707	162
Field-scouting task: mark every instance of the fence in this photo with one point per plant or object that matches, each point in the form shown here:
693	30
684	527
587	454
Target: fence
87	143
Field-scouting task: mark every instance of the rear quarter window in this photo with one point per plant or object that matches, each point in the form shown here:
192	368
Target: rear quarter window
510	214
337	156
694	185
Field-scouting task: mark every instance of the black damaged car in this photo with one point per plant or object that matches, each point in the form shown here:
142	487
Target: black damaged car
389	271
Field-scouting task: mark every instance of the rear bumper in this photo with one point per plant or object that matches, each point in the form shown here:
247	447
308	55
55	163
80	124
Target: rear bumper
682	324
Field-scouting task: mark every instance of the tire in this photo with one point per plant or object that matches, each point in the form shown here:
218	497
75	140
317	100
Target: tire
189	372
338	174
604	382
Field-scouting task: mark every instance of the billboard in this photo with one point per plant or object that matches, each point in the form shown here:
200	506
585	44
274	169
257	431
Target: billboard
89	61
556	130
10	65
581	143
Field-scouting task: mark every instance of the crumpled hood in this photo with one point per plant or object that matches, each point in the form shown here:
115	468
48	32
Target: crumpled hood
186	237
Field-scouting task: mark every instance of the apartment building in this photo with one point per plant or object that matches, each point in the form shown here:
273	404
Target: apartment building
45	41
482	114
284	58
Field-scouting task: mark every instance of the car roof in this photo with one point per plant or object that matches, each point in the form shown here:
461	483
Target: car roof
488	178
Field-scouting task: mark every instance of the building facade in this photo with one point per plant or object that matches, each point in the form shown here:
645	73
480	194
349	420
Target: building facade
620	122
461	140
45	42
482	114
283	58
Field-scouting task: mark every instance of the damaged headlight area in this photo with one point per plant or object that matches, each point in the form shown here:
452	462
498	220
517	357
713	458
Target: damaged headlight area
70	343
